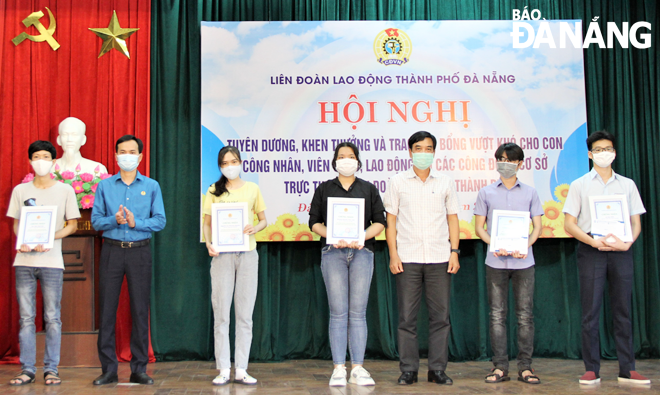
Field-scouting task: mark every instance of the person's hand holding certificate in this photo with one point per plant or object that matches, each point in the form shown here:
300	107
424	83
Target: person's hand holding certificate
510	232
36	228
228	222
609	215
345	221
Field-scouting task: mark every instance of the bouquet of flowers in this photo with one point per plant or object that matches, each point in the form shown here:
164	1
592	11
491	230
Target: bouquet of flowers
84	184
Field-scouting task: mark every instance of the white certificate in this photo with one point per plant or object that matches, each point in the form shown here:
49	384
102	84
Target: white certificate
345	220
228	220
609	214
37	226
510	231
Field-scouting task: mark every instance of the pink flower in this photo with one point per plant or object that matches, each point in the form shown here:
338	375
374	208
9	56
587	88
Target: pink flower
28	177
52	176
87	201
78	186
94	188
86	177
68	175
78	168
97	169
105	175
57	167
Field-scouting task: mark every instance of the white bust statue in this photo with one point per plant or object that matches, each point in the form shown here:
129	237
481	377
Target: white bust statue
71	138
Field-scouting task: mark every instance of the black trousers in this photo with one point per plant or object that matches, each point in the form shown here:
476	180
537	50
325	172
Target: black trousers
437	281
596	268
135	264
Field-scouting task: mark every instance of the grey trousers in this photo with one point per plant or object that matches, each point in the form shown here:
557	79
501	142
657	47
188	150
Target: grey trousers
437	283
497	282
233	274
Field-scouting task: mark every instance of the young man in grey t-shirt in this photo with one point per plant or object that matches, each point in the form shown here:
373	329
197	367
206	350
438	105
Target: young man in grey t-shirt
43	264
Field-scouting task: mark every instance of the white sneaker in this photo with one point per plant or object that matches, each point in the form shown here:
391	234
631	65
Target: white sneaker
338	378
220	379
360	376
245	379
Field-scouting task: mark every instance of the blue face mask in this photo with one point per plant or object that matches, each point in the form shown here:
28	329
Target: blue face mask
423	161
128	162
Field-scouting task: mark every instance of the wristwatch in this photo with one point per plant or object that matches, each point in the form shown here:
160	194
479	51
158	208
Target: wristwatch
457	251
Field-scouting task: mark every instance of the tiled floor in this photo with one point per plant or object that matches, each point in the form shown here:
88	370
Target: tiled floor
311	377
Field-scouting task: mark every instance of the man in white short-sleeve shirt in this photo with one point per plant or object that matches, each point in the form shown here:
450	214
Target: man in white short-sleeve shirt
604	260
39	263
422	236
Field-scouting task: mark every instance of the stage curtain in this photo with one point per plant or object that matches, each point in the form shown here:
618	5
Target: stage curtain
291	314
40	87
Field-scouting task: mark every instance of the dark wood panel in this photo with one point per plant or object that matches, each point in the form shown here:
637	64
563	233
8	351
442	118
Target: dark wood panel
78	305
78	350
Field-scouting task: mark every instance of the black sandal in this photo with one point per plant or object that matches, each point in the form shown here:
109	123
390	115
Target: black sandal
498	377
54	378
525	379
18	381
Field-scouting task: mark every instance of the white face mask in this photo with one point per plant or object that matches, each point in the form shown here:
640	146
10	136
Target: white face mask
231	172
346	167
604	159
42	167
128	162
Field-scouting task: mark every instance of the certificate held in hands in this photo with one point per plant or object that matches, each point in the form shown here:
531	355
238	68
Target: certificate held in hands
227	223
345	220
609	215
37	226
510	231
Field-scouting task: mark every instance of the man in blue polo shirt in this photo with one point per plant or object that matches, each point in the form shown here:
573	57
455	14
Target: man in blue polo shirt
508	193
128	207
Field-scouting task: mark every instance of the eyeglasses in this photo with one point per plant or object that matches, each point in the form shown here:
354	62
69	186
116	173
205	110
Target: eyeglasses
599	150
507	160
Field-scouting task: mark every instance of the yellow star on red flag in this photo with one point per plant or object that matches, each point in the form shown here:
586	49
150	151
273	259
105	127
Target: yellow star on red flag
392	32
114	36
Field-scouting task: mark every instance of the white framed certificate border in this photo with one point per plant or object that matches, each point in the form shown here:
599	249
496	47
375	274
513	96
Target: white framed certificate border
45	232
333	202
518	243
243	242
627	228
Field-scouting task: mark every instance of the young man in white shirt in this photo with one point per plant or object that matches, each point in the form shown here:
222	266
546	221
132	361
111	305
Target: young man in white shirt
604	260
422	236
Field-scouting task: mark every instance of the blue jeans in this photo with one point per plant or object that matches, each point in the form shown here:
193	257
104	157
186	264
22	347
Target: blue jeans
51	289
347	275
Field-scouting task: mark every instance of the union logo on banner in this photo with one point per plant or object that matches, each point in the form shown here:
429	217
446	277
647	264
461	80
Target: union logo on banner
392	46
